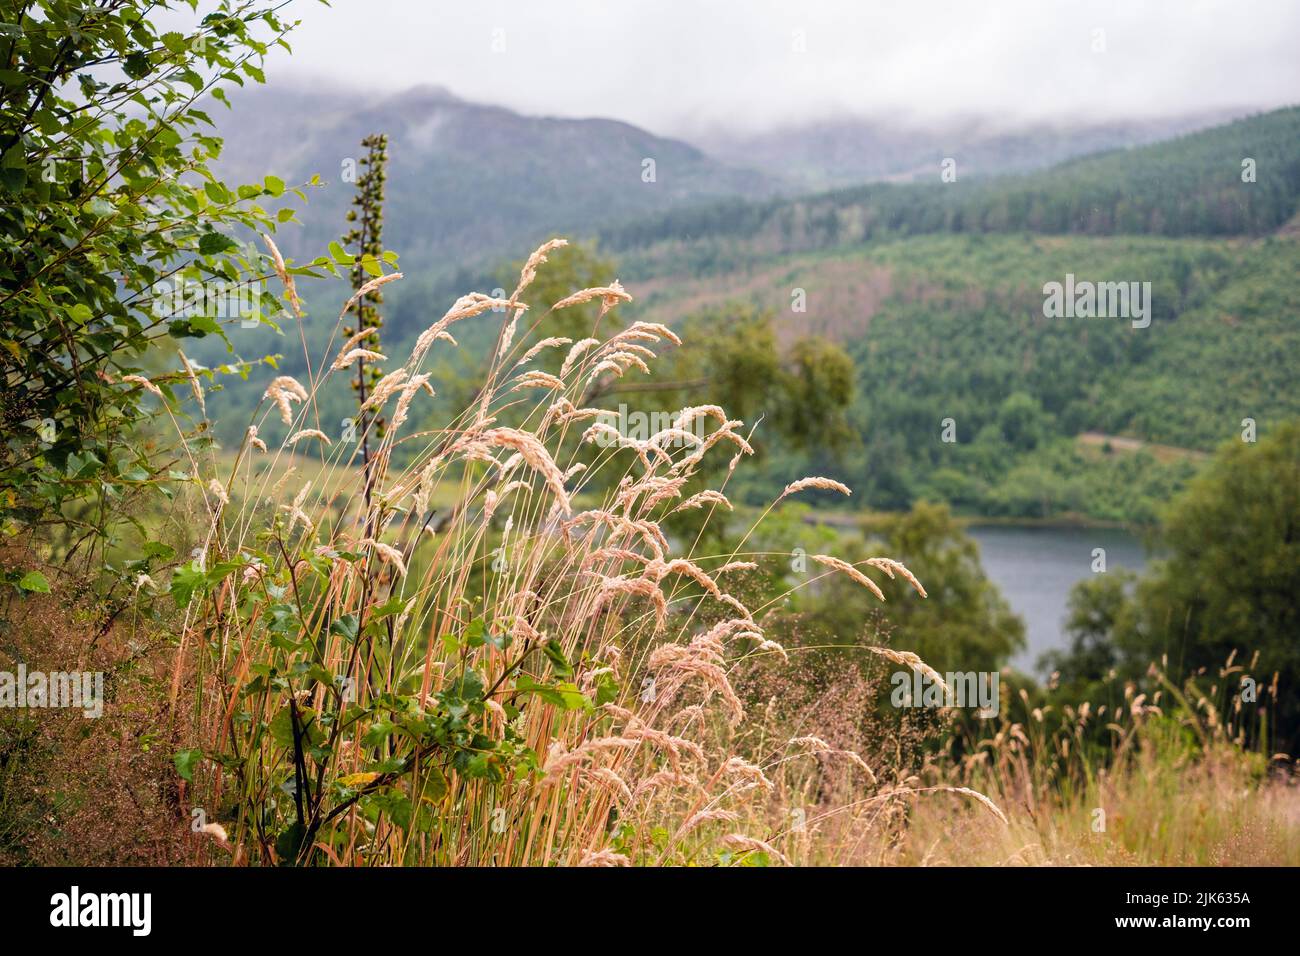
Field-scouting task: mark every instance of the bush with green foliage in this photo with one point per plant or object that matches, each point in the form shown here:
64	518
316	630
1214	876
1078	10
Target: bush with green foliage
1228	588
109	206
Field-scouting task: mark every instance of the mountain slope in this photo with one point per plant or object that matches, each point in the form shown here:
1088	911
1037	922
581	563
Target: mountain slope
467	181
937	293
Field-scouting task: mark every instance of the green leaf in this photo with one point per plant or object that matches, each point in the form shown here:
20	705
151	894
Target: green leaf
216	192
186	761
394	803
13	178
378	732
155	549
281	727
174	42
219	571
474	632
201	325
435	786
34	581
289	844
394	605
345	627
555	654
186	580
213	243
606	689
136	65
469	686
565	696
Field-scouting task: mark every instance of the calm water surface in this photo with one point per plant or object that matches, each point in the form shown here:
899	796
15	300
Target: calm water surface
1035	568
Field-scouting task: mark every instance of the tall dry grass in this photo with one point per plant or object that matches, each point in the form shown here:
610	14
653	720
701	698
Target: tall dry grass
1167	772
507	651
537	674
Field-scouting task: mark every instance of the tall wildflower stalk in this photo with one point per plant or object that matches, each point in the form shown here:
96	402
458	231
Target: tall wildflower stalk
366	236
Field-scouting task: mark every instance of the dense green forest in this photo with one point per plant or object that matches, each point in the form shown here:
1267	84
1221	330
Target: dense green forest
1226	590
959	333
946	325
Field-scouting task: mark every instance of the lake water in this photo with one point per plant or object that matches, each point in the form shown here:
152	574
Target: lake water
1035	568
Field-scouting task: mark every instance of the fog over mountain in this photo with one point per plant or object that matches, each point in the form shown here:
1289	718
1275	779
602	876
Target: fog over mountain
677	66
850	150
469	182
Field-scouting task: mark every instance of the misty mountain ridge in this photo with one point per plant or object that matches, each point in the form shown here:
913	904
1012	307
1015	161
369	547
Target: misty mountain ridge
852	151
470	183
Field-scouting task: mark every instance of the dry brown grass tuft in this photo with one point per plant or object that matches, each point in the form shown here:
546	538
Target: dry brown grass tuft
100	791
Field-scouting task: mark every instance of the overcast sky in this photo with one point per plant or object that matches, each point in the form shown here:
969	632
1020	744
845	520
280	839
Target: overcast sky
672	65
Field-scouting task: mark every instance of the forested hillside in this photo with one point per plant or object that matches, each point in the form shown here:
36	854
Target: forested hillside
1195	185
952	327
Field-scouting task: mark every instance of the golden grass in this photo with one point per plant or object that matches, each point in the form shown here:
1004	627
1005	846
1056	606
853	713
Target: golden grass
533	676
